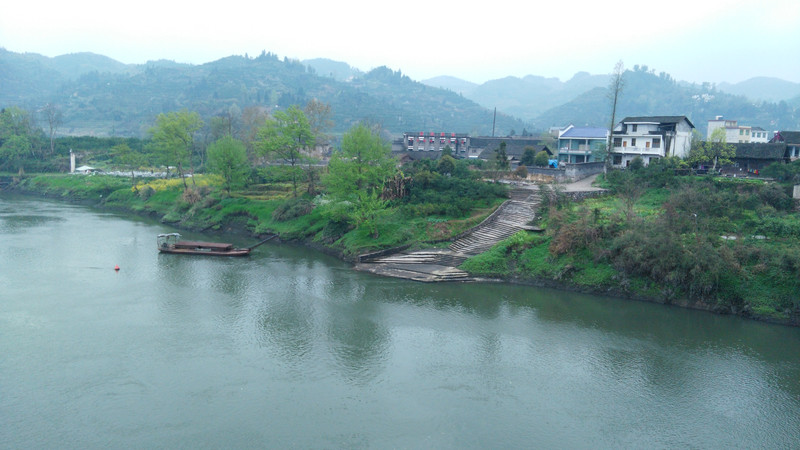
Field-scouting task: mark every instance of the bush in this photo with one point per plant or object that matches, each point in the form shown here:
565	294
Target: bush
541	159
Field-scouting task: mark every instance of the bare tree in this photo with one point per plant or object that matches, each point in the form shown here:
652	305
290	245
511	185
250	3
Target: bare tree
53	116
615	87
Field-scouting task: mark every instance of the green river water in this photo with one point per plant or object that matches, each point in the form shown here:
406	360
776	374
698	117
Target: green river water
289	348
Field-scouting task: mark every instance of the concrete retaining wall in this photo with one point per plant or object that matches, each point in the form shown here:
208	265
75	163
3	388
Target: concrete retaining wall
566	173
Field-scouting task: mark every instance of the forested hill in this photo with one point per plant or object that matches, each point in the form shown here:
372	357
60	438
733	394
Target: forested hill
646	93
123	100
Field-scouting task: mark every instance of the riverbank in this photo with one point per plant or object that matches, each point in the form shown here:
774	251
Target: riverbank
526	258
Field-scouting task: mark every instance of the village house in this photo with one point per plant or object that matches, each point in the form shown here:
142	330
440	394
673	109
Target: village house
792	141
735	133
753	157
651	138
578	144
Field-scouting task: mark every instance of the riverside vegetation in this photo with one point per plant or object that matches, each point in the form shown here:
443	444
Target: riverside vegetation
723	244
727	245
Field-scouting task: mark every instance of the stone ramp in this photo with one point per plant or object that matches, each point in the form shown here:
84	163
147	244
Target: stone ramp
432	265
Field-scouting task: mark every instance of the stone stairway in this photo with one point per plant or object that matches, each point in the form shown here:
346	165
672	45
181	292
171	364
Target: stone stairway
441	264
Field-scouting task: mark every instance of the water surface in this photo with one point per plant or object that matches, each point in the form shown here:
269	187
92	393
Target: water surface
293	349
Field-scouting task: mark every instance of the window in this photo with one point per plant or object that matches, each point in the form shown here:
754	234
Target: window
617	142
741	131
633	142
647	144
617	160
656	143
634	127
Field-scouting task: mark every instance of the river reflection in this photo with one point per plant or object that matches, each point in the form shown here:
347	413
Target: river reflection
290	348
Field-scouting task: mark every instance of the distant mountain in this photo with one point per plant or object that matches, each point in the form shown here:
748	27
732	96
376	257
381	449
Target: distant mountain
73	65
339	71
526	97
763	89
454	84
123	100
646	93
100	96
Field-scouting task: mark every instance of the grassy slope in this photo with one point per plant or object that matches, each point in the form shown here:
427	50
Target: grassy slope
249	212
584	248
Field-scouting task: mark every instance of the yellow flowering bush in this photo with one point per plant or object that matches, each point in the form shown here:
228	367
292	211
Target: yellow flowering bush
163	184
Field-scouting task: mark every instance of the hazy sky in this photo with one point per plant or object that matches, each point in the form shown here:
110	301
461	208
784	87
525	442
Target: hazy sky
692	40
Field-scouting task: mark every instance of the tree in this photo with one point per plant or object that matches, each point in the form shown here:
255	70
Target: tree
715	150
528	156
173	138
600	152
362	165
228	158
501	159
54	118
129	158
319	119
447	151
13	151
541	159
446	165
615	87
284	137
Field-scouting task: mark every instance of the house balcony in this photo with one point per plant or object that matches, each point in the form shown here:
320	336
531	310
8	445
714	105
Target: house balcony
645	151
580	149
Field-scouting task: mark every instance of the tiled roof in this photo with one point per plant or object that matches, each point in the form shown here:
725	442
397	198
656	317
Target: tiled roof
790	137
586	132
760	151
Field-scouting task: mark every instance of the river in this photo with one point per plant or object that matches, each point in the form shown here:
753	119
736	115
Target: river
289	348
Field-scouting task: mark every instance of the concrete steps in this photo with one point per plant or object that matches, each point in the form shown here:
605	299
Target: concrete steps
433	265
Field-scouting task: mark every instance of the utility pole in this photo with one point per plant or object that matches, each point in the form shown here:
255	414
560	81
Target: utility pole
494	120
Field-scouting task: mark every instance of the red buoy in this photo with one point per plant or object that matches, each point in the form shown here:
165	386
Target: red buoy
116	268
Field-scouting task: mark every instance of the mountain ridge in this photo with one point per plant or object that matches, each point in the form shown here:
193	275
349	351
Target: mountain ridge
103	96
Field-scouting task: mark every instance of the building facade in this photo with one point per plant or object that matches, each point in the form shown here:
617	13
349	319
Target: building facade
579	144
735	133
421	141
651	138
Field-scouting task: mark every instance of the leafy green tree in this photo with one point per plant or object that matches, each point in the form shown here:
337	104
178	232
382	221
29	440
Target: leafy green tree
715	151
362	165
446	165
284	137
13	151
228	158
528	156
173	138
541	159
600	152
447	151
19	138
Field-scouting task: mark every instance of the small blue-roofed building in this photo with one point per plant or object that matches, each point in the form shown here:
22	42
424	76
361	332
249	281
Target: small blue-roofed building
578	144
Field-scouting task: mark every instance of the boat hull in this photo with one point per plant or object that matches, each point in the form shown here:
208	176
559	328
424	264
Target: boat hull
189	251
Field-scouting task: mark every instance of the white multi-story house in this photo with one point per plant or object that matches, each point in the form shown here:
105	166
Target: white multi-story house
735	133
759	135
650	137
